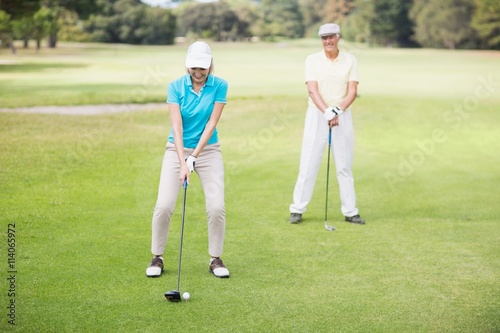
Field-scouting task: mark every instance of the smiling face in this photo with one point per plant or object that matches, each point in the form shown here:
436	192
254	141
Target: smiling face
198	75
330	42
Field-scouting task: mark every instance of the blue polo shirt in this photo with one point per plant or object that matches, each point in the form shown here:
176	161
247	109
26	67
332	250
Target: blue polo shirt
196	108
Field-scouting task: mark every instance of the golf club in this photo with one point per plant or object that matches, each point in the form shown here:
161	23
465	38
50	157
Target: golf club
328	227
175	295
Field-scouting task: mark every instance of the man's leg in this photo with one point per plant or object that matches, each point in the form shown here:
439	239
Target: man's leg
314	141
343	151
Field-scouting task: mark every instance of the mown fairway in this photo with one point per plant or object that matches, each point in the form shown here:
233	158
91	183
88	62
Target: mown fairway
81	190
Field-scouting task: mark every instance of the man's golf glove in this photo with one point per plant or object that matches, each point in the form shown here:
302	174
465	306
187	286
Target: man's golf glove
332	112
190	161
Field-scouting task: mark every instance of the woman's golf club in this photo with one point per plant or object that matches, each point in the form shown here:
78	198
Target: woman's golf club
175	295
328	227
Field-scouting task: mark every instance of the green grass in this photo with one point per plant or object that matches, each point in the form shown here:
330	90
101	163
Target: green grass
81	190
96	74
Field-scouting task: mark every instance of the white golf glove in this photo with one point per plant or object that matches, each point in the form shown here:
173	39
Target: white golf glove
332	112
190	161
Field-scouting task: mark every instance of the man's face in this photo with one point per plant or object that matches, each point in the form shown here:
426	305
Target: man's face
330	42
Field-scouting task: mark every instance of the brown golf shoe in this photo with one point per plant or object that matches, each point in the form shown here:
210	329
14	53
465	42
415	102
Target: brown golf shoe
155	267
218	269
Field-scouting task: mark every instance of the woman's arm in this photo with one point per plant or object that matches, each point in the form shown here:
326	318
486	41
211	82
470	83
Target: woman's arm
209	128
176	122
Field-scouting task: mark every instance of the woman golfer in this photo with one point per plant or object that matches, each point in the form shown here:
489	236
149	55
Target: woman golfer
195	102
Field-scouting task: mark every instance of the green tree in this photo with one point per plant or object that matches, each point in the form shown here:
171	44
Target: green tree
280	18
390	23
23	29
71	28
210	20
486	22
130	21
104	24
53	26
247	13
336	11
41	24
6	30
443	23
83	8
21	13
20	8
159	27
318	12
357	26
48	21
312	15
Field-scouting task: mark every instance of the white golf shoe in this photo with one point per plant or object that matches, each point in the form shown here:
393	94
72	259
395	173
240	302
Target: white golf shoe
155	267
218	269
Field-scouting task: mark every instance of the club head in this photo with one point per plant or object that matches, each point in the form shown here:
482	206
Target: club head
329	227
173	296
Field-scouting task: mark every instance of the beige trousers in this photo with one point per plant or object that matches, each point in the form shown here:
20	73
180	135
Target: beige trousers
210	169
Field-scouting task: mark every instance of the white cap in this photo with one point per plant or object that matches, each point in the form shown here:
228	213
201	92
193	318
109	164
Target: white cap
199	55
328	29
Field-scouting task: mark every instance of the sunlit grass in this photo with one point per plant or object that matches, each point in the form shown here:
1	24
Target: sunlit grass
138	74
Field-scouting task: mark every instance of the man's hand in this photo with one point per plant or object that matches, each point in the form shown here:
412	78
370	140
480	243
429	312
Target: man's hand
190	161
328	114
338	111
332	112
334	122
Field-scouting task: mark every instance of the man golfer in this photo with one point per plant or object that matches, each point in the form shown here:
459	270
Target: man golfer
332	79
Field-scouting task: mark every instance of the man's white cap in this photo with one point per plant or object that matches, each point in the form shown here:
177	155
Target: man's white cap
328	29
199	55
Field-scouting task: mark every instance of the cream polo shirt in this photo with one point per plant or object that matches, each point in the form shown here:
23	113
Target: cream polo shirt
332	76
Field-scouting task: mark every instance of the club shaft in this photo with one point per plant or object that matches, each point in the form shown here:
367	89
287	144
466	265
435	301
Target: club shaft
182	237
328	172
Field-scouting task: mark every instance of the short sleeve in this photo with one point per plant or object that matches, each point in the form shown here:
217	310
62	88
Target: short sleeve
221	92
353	73
173	94
309	70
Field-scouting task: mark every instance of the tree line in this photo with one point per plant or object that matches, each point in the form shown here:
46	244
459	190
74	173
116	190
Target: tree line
452	24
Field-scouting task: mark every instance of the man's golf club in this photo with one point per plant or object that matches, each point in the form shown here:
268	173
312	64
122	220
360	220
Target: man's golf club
175	295
328	227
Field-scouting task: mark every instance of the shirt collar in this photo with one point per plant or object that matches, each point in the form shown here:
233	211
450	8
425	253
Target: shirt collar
209	82
339	56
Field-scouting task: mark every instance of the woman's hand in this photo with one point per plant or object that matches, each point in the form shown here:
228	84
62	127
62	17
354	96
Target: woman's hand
184	173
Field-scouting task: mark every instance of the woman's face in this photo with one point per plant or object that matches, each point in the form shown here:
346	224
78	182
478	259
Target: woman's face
198	75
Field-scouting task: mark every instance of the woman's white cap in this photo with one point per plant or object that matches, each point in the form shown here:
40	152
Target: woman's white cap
199	55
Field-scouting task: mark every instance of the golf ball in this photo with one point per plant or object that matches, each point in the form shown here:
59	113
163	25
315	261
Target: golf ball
186	296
